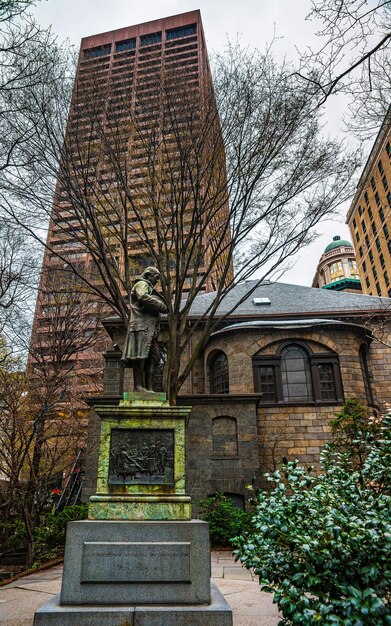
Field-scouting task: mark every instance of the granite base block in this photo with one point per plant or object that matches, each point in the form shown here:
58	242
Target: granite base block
130	562
217	613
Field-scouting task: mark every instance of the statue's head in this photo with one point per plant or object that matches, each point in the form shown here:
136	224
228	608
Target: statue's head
151	274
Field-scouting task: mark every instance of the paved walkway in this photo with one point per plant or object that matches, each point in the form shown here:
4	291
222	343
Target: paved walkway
251	607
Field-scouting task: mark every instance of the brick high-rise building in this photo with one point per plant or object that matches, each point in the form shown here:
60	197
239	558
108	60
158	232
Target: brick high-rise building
136	90
369	216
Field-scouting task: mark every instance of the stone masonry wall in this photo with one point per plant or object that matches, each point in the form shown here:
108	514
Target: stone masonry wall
225	455
379	366
242	346
286	430
294	433
209	467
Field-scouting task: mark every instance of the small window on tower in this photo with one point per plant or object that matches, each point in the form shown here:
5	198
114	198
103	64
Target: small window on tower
147	40
100	51
127	44
182	31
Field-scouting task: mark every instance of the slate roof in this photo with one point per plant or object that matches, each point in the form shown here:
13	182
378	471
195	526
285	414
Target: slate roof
286	299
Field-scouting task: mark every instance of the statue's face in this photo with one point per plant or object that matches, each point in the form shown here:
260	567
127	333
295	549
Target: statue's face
154	278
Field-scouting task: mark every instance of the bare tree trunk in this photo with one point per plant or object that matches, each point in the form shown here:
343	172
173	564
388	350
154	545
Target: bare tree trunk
30	527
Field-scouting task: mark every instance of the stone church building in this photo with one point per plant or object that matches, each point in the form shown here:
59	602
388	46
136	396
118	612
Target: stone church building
269	380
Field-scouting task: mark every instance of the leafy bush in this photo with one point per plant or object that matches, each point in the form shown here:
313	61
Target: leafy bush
49	536
352	429
225	519
322	544
17	534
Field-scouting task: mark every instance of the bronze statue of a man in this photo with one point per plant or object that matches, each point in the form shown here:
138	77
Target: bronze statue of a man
141	350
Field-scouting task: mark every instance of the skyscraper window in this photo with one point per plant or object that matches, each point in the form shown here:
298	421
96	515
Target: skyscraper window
127	44
147	40
183	31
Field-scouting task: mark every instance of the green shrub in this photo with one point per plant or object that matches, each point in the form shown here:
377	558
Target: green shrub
225	519
54	524
353	428
322	544
50	534
17	534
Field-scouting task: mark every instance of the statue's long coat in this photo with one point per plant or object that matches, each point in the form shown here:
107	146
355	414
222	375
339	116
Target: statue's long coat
145	306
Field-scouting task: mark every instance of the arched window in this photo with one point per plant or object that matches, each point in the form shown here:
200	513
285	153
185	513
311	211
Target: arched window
218	373
236	498
296	375
225	436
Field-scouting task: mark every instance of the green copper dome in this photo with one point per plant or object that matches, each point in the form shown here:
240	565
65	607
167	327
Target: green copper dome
337	241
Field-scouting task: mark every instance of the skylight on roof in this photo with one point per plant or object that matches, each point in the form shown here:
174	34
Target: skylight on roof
258	301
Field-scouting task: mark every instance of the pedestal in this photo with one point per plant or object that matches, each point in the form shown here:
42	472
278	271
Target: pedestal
141	467
217	613
139	559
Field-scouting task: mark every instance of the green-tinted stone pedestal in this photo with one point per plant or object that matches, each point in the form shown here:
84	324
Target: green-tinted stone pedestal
139	559
137	496
137	508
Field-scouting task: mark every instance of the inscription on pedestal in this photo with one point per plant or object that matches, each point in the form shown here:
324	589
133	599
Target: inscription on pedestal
141	456
123	562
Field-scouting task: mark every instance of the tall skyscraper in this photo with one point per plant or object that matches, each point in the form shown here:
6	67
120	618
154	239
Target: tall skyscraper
369	216
138	107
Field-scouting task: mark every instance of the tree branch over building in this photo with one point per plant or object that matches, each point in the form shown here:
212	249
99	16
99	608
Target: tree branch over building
209	186
353	59
31	61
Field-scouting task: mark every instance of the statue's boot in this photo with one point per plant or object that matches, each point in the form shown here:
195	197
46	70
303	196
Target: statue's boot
138	376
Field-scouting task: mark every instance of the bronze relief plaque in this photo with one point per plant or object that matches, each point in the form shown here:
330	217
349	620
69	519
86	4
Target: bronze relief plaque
141	456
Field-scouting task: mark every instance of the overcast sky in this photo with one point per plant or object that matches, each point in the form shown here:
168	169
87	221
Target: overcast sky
254	21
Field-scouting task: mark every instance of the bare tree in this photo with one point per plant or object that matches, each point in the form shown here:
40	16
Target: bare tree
378	323
353	59
18	279
38	444
210	186
31	61
11	9
42	416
